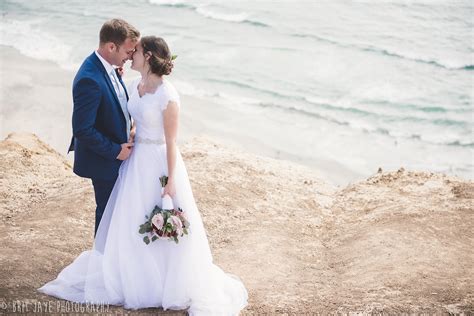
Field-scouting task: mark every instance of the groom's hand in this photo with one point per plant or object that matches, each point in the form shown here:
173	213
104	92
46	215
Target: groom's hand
126	151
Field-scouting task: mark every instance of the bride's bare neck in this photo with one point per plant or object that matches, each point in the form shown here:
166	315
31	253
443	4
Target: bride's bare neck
150	81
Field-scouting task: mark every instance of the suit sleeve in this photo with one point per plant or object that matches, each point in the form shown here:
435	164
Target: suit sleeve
86	96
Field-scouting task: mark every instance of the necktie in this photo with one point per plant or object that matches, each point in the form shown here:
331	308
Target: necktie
117	84
122	99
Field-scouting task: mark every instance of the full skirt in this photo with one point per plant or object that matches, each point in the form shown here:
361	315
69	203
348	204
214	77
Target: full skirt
121	269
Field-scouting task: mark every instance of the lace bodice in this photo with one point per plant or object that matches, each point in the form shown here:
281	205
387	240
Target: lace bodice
147	110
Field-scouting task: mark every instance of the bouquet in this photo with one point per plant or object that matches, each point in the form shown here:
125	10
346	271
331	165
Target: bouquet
164	222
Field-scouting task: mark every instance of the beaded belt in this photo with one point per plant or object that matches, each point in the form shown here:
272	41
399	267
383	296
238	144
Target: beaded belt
141	140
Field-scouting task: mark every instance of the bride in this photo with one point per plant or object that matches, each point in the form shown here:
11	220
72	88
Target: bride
121	269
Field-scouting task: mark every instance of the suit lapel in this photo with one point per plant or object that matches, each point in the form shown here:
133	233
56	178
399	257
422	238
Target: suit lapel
111	87
101	67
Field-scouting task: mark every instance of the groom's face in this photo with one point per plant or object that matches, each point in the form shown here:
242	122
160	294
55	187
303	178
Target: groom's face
124	52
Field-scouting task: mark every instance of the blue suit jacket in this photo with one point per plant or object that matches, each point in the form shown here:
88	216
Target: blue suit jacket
98	122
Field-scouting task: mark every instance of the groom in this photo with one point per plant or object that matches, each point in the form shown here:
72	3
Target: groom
100	120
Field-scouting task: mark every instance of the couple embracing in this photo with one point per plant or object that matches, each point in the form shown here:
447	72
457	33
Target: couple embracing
124	140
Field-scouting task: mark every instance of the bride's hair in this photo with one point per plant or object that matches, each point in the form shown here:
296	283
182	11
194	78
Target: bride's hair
160	61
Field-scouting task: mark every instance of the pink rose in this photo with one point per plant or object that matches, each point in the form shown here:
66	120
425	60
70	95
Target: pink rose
177	224
157	220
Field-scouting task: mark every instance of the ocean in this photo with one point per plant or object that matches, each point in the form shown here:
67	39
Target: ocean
361	84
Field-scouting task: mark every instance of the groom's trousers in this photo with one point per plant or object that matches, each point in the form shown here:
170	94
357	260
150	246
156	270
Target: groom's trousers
102	190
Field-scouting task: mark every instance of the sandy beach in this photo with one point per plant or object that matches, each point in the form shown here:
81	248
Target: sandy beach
397	242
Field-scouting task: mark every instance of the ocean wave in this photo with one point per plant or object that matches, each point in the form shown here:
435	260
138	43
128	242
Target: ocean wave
189	89
461	144
417	112
381	51
91	13
304	112
242	17
421	108
203	10
252	87
238	17
434	62
35	43
411	107
369	122
172	3
344	116
373	128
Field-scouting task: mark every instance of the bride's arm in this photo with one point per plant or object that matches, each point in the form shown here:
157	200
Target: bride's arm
170	123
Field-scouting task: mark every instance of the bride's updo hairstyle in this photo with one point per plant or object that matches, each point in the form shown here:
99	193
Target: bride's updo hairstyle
160	61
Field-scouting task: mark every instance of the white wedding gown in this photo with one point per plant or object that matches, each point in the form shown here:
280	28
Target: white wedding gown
121	269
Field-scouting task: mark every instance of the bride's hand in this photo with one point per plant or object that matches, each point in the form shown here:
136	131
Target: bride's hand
170	189
132	136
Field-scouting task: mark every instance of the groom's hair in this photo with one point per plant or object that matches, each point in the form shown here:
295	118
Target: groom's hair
117	31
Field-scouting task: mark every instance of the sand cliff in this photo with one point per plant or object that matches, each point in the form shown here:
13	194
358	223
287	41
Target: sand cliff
396	242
